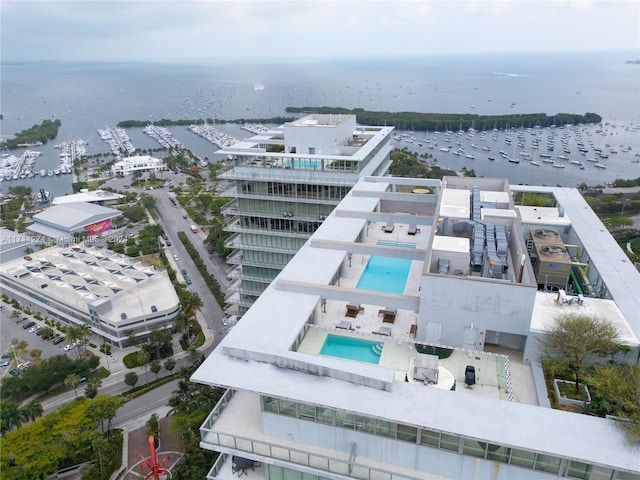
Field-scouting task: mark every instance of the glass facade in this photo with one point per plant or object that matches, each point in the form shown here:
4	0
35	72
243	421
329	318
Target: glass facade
549	464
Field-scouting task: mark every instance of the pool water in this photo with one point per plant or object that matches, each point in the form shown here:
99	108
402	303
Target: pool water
350	348
303	164
385	243
385	274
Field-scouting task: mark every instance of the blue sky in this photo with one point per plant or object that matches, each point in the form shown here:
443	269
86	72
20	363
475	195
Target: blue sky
212	30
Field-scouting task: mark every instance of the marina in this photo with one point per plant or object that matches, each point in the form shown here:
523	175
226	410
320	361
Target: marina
215	136
18	168
117	139
163	136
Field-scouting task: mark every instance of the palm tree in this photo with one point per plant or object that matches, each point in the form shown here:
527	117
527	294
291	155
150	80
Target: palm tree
98	442
72	380
11	416
143	358
85	332
32	411
73	336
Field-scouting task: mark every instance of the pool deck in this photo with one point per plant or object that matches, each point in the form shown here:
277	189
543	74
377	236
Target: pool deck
399	352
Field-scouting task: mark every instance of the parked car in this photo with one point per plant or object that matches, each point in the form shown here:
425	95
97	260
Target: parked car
14	372
187	280
184	271
28	324
175	257
34	329
58	340
5	363
69	347
24	366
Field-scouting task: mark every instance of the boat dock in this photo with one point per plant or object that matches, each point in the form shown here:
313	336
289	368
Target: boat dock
163	136
117	139
215	136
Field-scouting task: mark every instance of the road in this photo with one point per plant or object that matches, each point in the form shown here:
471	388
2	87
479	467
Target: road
171	219
137	411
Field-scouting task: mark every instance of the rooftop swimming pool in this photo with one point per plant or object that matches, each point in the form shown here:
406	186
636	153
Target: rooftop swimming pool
385	243
352	349
303	164
385	274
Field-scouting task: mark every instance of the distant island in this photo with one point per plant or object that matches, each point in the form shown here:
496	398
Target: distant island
34	136
402	120
453	121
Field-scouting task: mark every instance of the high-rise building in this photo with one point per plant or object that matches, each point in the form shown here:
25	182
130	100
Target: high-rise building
284	183
401	342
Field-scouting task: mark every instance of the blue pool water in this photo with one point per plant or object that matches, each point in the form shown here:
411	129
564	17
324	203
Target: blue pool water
385	274
350	348
304	164
384	243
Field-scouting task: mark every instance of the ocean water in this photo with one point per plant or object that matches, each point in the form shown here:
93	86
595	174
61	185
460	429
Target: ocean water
88	96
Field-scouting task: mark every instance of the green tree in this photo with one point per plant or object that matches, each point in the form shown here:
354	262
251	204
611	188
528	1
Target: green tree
615	391
143	359
32	411
131	378
573	338
10	416
72	380
169	364
73	335
93	385
99	443
155	367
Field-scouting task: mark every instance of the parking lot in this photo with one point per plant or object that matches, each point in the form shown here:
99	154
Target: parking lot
13	326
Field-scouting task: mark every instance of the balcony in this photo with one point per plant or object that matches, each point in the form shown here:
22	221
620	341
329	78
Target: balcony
234	428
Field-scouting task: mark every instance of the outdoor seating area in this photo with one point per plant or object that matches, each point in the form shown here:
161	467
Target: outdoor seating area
388	314
386	331
240	465
345	325
353	310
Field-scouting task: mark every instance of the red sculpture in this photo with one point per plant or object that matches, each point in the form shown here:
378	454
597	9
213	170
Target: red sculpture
156	469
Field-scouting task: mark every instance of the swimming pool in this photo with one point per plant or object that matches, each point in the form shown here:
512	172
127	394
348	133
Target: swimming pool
385	274
351	349
384	243
303	164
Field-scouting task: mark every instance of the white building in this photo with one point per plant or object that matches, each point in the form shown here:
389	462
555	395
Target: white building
137	163
333	373
284	183
117	296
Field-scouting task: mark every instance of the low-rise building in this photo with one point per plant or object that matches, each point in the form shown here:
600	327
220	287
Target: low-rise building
137	163
117	296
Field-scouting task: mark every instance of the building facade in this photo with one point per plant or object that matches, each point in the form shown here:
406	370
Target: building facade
117	296
284	183
138	163
400	342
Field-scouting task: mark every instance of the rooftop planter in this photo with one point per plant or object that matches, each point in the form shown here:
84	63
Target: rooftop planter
565	391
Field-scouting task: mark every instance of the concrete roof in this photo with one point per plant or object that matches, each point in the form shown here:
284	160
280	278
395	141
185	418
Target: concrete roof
617	271
257	356
89	197
78	276
73	216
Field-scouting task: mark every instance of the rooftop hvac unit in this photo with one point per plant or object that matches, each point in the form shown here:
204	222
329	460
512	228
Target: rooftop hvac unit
546	235
553	266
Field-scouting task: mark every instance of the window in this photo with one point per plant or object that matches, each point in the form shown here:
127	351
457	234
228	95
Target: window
473	448
324	415
385	429
627	476
449	442
547	463
345	420
407	433
306	411
288	408
522	458
600	473
270	404
578	470
428	437
498	453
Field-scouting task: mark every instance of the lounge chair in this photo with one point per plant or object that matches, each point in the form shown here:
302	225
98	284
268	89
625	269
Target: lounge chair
388	314
388	228
413	229
345	325
386	331
353	310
